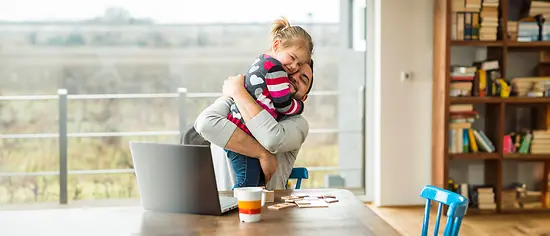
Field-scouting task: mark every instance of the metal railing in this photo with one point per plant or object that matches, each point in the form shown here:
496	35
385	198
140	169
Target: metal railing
63	135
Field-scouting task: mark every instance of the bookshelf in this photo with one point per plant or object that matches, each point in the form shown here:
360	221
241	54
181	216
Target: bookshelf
497	108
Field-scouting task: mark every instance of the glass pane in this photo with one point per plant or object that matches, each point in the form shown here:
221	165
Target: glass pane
317	179
122	115
31	189
154	47
107	152
27	117
319	150
102	186
29	155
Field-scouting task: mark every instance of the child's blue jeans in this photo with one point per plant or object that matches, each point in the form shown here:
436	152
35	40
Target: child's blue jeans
248	171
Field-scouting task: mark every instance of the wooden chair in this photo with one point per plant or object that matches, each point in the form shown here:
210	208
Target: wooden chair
457	207
298	173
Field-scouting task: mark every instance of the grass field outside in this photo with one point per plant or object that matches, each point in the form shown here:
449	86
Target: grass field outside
93	153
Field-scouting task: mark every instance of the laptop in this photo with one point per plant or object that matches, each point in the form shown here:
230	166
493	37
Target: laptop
178	178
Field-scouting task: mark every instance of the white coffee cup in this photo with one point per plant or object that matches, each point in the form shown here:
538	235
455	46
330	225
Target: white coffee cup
250	203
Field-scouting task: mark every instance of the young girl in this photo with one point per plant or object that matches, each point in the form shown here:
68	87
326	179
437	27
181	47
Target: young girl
267	82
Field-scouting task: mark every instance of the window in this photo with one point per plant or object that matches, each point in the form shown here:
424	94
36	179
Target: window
122	67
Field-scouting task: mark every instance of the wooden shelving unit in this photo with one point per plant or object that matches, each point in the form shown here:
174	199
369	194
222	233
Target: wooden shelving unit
496	107
500	44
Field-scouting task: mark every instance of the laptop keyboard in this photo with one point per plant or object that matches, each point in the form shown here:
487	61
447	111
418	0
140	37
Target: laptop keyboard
228	202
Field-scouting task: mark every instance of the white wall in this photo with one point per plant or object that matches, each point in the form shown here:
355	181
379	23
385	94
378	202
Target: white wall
400	112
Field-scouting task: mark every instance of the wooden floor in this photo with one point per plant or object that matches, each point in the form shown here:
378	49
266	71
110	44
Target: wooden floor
408	221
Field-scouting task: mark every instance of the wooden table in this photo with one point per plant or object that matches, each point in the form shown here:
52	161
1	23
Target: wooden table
349	216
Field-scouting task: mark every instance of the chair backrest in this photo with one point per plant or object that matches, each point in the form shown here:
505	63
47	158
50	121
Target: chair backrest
299	173
193	137
457	207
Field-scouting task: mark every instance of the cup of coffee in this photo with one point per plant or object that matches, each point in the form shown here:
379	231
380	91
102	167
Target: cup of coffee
250	203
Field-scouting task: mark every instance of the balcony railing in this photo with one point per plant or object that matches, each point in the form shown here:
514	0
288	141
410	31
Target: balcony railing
62	97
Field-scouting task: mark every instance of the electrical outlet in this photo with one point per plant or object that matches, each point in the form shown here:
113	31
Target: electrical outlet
405	75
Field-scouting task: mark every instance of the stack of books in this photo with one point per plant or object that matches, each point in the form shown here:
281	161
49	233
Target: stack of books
489	20
528	31
529	199
529	86
465	19
486	198
509	199
540	144
540	8
461	80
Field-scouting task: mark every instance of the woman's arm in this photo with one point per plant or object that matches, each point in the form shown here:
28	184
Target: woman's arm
284	136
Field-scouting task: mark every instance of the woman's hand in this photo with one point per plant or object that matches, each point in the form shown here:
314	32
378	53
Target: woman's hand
233	86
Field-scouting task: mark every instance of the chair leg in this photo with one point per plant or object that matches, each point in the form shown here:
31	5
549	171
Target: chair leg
438	219
456	227
449	227
298	183
426	221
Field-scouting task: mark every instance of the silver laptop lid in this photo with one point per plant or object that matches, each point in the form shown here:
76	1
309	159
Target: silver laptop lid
175	178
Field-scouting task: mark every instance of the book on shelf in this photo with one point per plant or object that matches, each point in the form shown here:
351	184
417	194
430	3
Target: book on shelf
540	8
486	198
516	196
474	20
539	11
528	31
512	30
480	196
462	78
528	26
525	142
462	137
529	199
509	199
488	30
541	142
538	86
481	79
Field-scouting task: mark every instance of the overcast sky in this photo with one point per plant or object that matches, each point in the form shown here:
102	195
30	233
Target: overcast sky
174	11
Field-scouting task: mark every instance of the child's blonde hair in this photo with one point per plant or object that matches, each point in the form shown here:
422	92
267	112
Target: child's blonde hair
291	35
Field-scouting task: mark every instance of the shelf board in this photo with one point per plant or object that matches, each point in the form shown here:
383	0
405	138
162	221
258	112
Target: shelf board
500	43
459	100
477	211
522	210
526	100
527	157
475	156
515	44
510	100
477	43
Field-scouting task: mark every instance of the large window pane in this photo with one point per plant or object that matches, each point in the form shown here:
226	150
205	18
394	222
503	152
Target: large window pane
156	47
28	189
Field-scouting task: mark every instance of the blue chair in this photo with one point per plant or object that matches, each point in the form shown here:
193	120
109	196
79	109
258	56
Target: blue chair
298	173
457	207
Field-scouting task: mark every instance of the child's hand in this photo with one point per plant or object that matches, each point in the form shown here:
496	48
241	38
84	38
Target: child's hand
233	85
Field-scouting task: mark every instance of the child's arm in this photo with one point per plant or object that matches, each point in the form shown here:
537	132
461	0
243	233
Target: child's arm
277	83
